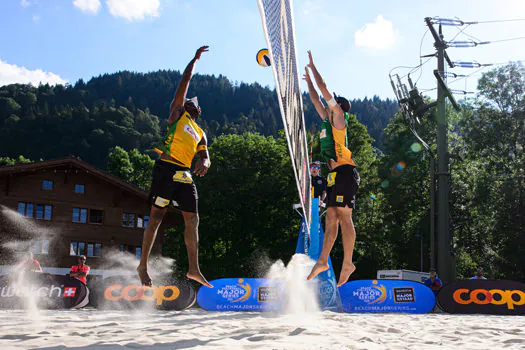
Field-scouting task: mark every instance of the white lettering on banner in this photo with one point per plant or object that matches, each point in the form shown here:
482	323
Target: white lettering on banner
44	289
26	291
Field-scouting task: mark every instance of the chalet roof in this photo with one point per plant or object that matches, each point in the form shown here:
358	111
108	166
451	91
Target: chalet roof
72	162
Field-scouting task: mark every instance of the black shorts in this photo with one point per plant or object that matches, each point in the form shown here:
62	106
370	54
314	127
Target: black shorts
173	184
342	188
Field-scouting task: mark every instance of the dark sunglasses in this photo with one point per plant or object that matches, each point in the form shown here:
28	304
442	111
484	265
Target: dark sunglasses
314	167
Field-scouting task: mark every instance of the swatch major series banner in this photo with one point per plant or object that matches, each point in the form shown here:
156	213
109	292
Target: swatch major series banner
125	293
483	297
242	294
45	291
386	296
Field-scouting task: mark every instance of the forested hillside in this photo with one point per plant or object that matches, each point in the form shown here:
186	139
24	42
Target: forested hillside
129	110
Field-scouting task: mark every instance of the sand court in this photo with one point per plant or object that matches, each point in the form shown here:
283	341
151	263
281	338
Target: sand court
199	329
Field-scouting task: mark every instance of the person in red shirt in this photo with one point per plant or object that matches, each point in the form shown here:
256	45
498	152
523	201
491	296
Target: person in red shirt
29	264
81	270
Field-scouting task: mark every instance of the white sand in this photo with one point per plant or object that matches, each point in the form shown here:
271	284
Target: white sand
195	328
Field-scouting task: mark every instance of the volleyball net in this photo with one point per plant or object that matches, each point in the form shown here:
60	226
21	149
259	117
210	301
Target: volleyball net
278	26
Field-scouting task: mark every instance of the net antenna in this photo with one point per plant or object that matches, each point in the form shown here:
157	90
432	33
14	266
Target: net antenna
278	27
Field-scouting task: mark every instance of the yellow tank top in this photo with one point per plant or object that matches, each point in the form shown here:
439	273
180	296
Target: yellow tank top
181	140
344	155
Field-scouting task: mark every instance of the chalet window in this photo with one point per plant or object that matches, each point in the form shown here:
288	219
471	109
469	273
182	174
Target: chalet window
47	185
90	249
22	208
25	209
79	215
81	248
97	250
73	248
79	188
137	251
29	209
96	216
128	220
40	247
43	212
85	248
142	221
39	211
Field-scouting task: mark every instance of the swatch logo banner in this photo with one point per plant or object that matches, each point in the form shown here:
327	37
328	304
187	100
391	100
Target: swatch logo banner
483	296
386	296
119	293
241	294
45	290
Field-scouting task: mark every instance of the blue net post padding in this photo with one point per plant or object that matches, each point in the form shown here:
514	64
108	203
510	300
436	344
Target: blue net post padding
311	245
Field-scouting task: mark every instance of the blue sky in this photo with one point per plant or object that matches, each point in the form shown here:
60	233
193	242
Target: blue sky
355	43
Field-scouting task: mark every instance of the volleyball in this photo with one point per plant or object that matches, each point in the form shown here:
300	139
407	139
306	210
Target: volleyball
263	58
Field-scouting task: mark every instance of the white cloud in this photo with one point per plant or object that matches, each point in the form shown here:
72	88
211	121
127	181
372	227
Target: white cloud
36	18
378	35
134	9
25	3
90	6
12	74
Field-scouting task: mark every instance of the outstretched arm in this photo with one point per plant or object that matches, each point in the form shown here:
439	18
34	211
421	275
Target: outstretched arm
202	165
339	118
314	96
182	89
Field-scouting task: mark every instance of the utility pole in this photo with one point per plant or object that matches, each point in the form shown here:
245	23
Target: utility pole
445	259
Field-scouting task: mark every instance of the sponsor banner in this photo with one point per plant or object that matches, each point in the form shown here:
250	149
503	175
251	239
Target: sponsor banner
122	293
42	290
483	297
386	296
242	294
311	245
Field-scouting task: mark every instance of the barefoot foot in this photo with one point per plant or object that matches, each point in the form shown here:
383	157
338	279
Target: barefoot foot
346	270
145	280
198	277
317	269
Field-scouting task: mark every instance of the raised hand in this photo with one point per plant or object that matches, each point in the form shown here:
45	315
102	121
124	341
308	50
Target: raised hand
311	63
200	51
306	75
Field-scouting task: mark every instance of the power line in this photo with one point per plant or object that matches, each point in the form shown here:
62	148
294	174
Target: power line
420	58
471	43
458	23
498	21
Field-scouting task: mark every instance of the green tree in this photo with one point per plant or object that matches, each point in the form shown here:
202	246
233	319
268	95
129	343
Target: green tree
245	206
133	167
6	161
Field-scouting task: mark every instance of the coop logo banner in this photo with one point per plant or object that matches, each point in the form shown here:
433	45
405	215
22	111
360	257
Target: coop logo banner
483	297
386	296
241	294
45	290
157	294
119	293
